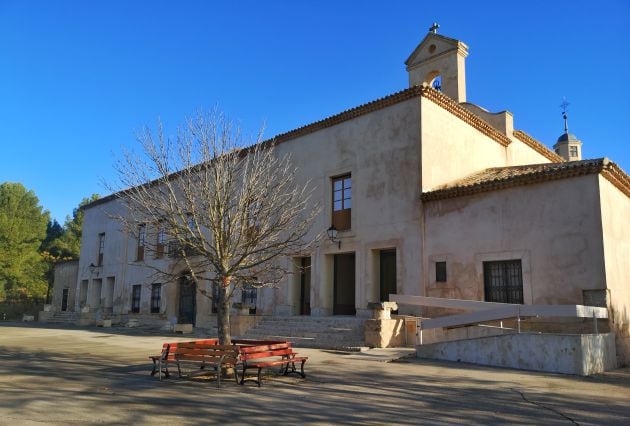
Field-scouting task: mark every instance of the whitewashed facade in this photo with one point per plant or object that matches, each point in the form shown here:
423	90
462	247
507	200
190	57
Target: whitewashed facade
436	201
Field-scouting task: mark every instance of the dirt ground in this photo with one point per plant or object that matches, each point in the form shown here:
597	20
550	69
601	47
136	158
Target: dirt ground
101	376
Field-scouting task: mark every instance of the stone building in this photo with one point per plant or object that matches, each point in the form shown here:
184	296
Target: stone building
431	196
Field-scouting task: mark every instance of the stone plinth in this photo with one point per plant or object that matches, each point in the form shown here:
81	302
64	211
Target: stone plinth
240	324
382	310
104	323
242	308
385	333
45	316
183	328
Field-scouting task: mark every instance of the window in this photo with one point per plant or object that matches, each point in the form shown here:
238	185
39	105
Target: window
342	202
437	83
161	241
135	298
595	298
101	249
249	294
174	250
156	294
215	297
83	293
503	281
440	272
142	230
573	151
64	299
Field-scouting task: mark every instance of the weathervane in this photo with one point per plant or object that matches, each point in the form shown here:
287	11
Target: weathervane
434	28
564	106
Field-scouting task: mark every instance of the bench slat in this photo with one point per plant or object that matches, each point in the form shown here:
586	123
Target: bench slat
267	354
275	362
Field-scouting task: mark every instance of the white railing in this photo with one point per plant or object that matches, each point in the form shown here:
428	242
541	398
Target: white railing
490	311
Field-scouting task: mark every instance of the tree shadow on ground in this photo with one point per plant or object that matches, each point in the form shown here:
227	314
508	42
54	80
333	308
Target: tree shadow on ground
58	386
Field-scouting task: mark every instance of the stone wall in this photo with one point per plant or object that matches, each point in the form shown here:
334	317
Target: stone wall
583	355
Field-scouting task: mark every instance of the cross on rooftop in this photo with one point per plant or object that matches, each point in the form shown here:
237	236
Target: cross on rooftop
564	106
434	28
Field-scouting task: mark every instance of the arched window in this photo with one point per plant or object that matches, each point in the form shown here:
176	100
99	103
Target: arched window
434	80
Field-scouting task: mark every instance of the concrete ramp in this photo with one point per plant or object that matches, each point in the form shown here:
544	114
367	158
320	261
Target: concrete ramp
580	354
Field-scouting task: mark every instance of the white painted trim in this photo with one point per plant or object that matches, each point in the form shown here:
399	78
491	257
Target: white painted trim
487	311
440	302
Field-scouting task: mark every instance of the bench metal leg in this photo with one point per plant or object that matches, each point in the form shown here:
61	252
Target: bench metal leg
244	379
236	374
160	365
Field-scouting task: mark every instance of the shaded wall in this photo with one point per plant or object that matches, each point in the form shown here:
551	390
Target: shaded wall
65	278
553	227
615	207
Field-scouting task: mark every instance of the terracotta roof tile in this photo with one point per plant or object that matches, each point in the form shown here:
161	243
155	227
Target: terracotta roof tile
497	178
427	92
537	146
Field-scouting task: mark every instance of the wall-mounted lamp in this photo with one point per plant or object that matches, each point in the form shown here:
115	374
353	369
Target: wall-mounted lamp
92	268
332	235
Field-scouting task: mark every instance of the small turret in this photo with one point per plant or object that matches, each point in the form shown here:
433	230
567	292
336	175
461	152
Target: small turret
568	146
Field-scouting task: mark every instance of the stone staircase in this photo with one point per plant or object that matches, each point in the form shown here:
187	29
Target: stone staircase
338	332
60	317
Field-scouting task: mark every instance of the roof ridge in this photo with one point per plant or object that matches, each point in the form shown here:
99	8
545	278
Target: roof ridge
331	120
544	172
537	146
465	115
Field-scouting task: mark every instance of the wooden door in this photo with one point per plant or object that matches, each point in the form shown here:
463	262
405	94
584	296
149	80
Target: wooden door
305	286
64	299
344	284
187	301
387	273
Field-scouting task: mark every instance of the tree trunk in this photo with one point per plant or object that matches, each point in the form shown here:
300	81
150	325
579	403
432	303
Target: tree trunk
223	313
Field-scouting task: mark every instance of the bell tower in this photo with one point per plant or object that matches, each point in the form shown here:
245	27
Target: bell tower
568	146
440	62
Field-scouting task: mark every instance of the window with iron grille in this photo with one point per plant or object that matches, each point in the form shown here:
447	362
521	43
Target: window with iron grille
440	272
136	290
342	202
503	281
174	249
156	298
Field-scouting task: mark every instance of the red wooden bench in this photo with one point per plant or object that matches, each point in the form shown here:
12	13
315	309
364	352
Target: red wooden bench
208	357
261	356
161	361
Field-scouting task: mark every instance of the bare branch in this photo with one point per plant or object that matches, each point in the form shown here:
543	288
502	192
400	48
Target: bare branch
230	213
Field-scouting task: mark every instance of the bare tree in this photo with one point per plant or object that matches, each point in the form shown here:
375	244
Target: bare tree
220	213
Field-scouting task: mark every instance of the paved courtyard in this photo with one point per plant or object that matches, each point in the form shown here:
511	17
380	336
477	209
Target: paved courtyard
86	376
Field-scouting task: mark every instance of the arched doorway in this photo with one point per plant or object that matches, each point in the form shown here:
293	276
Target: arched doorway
187	301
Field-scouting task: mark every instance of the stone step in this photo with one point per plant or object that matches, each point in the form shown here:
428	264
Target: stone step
339	333
311	329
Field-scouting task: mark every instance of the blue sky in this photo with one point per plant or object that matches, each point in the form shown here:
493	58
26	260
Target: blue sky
78	78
